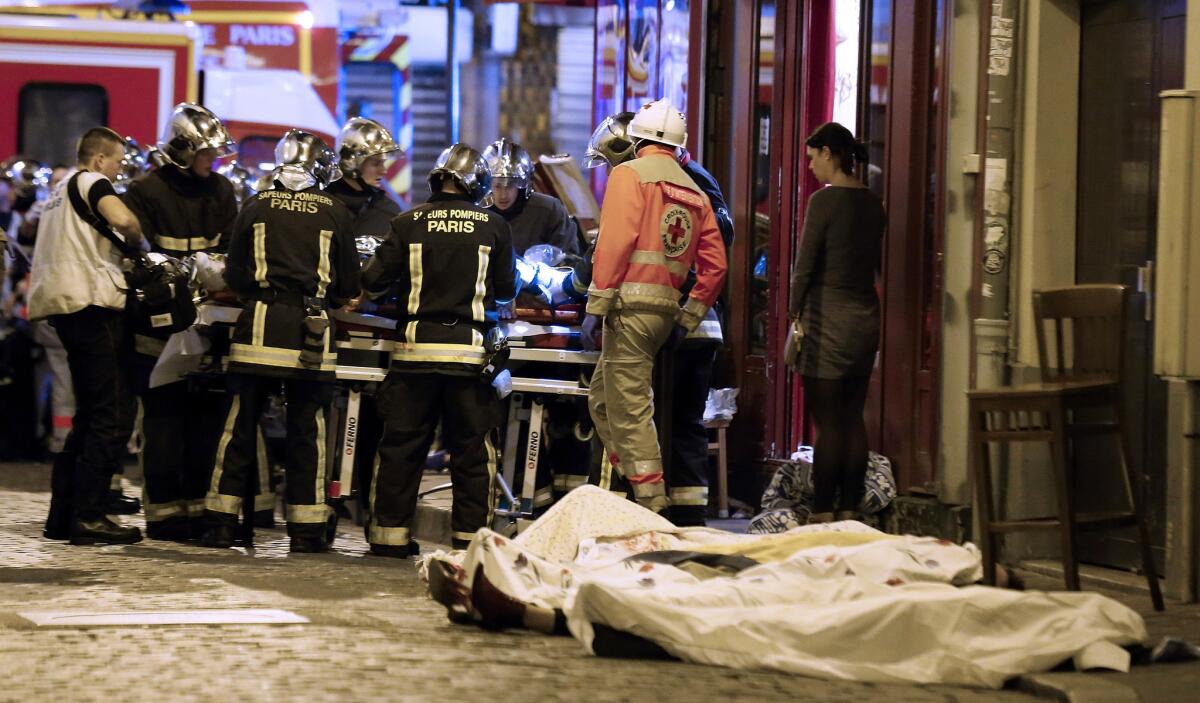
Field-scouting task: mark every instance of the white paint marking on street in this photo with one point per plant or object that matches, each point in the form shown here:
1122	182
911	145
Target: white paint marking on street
84	618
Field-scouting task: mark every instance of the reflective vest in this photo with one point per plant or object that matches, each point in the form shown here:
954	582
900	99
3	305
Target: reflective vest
656	226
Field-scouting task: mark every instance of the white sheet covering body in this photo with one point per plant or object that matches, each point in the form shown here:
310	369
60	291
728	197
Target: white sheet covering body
840	601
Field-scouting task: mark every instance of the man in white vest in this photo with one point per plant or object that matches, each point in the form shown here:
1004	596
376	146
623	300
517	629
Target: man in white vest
78	285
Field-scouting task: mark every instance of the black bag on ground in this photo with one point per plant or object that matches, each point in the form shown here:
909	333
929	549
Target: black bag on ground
159	300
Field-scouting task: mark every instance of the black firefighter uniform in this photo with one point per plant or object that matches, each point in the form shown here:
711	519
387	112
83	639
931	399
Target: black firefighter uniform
292	257
180	214
448	261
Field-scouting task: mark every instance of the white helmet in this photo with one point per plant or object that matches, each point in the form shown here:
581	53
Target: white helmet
659	122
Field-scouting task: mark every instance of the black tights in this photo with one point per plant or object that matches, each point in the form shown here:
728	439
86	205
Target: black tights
840	454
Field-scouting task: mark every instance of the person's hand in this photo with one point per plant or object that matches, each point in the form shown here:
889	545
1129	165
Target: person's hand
590	336
505	311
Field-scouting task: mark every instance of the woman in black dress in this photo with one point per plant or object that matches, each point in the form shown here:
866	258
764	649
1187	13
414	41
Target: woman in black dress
833	295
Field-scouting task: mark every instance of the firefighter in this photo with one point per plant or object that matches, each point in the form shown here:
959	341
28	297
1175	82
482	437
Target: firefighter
448	261
291	258
695	355
184	207
656	226
534	218
365	149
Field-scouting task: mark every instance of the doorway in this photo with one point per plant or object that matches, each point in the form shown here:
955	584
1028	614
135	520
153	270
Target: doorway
1130	51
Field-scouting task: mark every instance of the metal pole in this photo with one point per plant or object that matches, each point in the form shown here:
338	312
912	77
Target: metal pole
452	89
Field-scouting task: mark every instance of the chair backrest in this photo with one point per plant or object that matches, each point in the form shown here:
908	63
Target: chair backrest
1091	319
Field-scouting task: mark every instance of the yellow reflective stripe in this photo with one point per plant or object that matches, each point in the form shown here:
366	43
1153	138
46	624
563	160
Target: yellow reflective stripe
150	346
649	490
374	482
260	253
320	482
464	536
194	508
215	500
544	496
568	482
418	357
307	514
389	536
274	356
606	468
323	264
476	338
485	254
410	332
187	243
493	459
265	500
156	512
658	258
416	277
218	503
647	466
692	495
258	329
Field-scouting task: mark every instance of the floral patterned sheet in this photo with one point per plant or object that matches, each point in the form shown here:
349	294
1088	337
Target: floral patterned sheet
839	601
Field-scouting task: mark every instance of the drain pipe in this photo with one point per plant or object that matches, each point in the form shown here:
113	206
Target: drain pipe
990	330
993	216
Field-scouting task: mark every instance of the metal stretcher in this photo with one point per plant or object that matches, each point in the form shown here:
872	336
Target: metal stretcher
539	356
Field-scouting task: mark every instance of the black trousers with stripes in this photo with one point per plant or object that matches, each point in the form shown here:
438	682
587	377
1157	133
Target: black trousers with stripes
304	458
687	474
411	405
181	427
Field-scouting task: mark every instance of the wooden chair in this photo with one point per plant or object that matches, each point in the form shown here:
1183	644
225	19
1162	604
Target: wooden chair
1081	373
720	450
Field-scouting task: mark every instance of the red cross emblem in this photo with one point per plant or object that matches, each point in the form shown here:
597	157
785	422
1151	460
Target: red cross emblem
676	230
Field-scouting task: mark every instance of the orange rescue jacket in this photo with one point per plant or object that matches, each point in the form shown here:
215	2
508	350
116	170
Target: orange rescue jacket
655	226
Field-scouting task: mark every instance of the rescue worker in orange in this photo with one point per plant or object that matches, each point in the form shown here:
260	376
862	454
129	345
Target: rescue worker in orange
656	225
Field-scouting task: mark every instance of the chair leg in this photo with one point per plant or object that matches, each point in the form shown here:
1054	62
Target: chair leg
1066	503
981	474
1133	489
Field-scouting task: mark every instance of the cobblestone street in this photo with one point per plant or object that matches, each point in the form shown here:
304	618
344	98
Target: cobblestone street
373	634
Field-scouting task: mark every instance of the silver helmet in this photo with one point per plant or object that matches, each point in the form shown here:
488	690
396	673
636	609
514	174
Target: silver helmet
468	169
509	164
133	164
191	129
245	182
361	139
610	143
29	177
302	161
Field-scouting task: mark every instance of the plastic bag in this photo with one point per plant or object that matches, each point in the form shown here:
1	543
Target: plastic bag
721	404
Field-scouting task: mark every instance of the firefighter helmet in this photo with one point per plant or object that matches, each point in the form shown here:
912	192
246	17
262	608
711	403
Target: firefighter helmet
303	160
468	169
193	128
659	122
245	182
610	143
361	139
509	164
28	177
133	164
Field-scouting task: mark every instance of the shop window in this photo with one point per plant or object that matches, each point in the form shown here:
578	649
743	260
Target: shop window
879	38
759	260
52	116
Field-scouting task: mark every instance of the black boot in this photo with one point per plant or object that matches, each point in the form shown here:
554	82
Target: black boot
411	549
308	544
174	529
218	537
117	503
103	531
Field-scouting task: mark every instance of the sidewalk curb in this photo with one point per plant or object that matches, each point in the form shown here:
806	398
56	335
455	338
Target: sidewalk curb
431	524
1077	688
